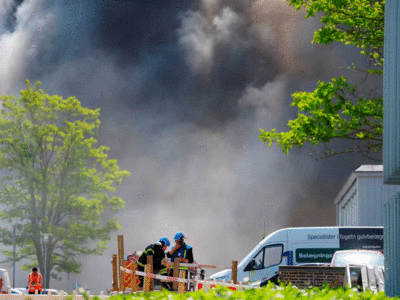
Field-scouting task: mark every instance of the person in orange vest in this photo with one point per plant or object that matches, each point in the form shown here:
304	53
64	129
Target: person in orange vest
34	282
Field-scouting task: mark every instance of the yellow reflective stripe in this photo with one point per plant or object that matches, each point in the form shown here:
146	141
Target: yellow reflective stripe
163	271
140	264
148	250
145	252
182	268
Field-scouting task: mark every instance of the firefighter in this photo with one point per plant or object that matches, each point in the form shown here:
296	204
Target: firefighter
157	251
34	281
181	251
202	275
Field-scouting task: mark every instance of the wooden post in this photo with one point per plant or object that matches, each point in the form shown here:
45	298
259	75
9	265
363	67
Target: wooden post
115	272
150	263
182	285
146	284
120	259
196	284
234	271
134	277
175	274
123	275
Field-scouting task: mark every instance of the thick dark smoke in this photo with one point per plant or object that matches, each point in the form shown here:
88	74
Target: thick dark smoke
10	18
183	87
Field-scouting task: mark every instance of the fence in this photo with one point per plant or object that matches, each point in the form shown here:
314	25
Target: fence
182	283
125	272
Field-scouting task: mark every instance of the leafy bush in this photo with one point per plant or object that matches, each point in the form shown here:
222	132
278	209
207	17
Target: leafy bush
268	292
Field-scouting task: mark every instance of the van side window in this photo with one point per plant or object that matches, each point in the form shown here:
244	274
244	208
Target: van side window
256	263
272	255
268	256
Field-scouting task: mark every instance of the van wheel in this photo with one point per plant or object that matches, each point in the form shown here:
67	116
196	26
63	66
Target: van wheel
273	279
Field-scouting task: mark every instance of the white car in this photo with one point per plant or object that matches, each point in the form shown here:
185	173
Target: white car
5	279
16	291
342	258
44	291
355	259
50	292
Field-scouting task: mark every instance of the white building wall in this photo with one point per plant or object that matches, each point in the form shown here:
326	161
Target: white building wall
371	189
361	200
348	210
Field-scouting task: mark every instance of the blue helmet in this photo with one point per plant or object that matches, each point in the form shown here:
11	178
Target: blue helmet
178	236
165	241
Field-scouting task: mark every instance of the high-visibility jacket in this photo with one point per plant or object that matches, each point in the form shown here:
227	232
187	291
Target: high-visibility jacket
184	252
158	255
36	279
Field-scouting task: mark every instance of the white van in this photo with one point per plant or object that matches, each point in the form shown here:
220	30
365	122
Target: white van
4	281
301	245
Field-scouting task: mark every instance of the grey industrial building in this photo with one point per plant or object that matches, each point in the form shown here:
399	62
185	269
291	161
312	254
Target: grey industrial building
361	200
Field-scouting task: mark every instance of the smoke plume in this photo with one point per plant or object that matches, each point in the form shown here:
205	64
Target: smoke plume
183	87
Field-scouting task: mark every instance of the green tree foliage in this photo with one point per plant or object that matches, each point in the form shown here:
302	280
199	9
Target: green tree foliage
54	180
338	109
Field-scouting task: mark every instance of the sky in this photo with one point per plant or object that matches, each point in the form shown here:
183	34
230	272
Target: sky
183	87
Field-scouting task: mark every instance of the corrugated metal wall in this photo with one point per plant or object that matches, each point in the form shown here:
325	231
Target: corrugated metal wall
349	208
362	204
391	144
391	94
391	246
373	194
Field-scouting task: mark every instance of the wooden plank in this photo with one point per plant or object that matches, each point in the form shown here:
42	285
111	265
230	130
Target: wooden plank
175	274
150	263
146	284
115	273
182	285
120	240
134	277
234	271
